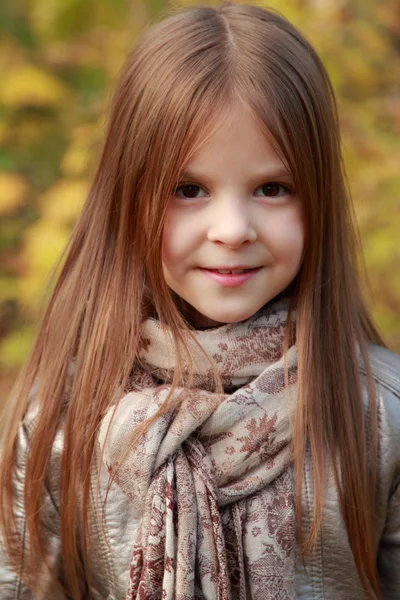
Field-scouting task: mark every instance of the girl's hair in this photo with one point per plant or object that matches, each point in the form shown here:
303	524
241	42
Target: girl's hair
179	81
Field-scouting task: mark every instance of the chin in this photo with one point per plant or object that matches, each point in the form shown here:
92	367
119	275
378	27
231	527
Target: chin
224	317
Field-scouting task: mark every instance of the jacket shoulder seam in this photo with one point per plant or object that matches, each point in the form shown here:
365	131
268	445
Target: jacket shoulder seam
386	381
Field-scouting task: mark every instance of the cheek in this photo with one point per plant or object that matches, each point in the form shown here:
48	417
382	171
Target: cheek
182	234
175	240
167	248
286	237
169	236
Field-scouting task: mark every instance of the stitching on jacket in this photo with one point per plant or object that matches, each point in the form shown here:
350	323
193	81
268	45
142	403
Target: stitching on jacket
19	582
23	532
322	589
101	533
317	581
382	376
379	403
307	491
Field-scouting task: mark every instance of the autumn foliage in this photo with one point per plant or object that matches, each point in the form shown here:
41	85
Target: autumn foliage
58	63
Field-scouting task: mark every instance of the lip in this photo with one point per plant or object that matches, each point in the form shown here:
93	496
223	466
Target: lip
228	268
230	279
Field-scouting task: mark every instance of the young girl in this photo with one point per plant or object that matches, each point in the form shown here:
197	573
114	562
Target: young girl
208	411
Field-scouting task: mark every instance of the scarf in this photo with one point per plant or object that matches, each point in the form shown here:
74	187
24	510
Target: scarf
210	479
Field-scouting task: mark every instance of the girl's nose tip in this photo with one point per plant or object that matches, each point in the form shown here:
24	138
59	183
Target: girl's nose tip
232	235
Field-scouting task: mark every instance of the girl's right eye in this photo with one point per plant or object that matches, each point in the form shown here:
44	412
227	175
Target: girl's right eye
190	191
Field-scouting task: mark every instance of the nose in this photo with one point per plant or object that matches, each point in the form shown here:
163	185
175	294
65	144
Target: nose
231	225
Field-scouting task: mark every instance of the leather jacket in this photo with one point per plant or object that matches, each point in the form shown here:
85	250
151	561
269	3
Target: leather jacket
328	573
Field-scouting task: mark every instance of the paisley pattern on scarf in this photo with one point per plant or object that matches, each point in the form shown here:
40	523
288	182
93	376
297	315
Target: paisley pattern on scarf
211	479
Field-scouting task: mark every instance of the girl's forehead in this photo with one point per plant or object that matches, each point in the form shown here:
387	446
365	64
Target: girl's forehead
235	131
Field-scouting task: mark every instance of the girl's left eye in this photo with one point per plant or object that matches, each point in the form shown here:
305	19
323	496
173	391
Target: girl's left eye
189	191
273	190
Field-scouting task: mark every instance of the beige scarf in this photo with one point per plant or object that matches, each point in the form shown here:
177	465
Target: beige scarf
211	481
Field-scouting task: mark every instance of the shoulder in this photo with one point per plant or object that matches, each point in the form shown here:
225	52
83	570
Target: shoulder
385	367
34	405
28	426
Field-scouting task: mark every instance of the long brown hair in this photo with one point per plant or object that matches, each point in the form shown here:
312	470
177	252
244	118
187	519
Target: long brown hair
176	84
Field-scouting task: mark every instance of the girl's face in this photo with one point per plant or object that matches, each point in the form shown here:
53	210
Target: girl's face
234	233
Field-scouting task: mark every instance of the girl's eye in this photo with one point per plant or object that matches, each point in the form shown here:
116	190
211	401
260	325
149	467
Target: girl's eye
273	190
190	190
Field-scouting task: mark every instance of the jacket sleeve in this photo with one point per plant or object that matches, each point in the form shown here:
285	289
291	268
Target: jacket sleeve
11	586
389	550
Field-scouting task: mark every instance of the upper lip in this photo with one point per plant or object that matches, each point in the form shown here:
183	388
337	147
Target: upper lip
229	267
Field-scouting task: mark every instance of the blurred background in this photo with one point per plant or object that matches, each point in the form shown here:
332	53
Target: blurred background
58	63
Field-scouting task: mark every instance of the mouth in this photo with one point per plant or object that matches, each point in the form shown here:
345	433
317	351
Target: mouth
236	271
230	278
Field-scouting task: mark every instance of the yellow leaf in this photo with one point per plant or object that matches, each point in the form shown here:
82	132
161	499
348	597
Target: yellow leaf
15	347
27	85
76	159
62	203
43	245
3	131
13	190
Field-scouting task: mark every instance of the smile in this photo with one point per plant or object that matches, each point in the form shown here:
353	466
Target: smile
231	271
230	277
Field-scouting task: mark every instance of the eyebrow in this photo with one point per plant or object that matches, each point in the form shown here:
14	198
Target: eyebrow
274	172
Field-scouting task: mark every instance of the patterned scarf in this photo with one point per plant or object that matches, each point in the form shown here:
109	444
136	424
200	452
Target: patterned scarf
211	480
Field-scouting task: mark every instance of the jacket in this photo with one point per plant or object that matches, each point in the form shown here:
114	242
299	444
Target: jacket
328	573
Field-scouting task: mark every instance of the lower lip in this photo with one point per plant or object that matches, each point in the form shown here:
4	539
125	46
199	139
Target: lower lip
230	279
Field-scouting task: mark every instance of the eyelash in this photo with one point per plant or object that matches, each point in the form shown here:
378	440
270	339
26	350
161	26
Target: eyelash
287	190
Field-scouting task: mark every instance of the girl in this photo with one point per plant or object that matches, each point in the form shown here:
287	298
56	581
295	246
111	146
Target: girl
208	411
